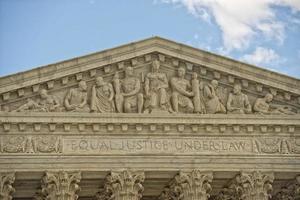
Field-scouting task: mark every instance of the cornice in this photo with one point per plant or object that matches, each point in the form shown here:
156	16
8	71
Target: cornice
179	123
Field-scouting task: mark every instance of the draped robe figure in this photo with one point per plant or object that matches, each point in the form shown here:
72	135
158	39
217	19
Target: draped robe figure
213	103
102	97
180	94
128	97
46	103
238	102
156	84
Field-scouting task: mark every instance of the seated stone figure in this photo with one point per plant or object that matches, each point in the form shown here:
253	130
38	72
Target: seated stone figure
238	102
128	97
263	106
46	103
181	93
102	97
212	100
76	99
156	85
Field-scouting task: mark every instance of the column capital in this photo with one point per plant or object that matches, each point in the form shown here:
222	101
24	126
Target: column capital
6	188
61	185
124	185
254	185
192	185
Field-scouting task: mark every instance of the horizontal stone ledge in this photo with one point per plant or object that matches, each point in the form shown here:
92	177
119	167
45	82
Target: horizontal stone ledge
135	118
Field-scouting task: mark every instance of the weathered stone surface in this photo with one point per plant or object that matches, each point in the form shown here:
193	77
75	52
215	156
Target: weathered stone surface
154	106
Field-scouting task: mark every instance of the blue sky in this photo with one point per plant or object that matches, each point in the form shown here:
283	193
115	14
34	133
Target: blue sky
40	32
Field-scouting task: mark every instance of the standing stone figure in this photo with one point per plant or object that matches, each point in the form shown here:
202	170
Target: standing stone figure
199	106
47	103
212	100
127	93
76	99
262	106
102	97
156	84
181	95
238	102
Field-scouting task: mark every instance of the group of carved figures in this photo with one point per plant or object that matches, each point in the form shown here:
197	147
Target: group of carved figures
126	96
128	185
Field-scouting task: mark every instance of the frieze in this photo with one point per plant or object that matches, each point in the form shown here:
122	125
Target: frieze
154	91
139	145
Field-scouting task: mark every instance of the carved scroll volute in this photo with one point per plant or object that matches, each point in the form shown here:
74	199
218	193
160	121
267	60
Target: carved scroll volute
194	185
6	188
61	185
126	185
255	185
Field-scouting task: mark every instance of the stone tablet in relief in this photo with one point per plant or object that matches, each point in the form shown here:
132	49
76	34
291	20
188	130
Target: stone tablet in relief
156	85
102	99
181	93
76	99
46	103
238	102
198	101
212	100
128	97
263	106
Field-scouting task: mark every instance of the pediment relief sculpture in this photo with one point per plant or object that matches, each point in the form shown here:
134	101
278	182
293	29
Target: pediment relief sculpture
153	91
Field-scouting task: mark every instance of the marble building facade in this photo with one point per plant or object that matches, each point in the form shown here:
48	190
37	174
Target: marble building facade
153	119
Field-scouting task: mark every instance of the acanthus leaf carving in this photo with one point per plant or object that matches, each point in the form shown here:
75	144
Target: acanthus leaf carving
6	185
125	185
194	185
253	185
61	185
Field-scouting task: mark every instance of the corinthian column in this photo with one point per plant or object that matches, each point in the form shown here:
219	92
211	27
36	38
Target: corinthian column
194	185
253	185
61	185
6	188
125	185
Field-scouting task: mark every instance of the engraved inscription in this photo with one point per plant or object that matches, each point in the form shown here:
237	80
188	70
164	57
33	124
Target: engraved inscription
94	145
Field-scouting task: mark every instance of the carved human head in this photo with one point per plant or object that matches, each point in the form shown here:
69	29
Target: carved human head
99	81
194	75
269	97
181	72
155	65
43	94
214	83
237	88
129	71
82	85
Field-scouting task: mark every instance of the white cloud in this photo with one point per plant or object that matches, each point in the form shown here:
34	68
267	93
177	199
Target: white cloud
241	20
261	56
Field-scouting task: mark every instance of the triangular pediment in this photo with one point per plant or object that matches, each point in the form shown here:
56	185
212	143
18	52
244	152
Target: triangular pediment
17	89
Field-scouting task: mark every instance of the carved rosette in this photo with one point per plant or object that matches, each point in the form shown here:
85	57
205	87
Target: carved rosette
194	185
254	185
6	188
126	185
291	191
61	185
